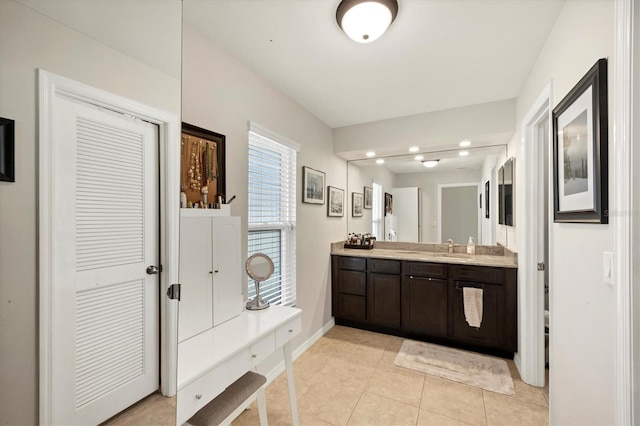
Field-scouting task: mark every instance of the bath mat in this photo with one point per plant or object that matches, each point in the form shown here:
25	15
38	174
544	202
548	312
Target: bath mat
460	366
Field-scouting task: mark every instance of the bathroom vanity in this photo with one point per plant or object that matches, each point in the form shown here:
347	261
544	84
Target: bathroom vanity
416	291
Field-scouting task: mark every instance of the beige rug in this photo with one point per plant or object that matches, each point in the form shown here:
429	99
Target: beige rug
460	366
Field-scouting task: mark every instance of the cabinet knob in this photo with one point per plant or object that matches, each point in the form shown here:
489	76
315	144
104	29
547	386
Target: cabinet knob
198	395
254	355
290	331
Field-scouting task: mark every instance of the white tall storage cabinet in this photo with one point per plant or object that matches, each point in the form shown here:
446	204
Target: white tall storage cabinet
210	270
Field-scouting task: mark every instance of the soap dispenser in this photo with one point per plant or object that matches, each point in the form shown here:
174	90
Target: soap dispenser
471	246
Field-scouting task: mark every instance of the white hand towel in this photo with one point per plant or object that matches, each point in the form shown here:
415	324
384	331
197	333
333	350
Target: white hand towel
472	299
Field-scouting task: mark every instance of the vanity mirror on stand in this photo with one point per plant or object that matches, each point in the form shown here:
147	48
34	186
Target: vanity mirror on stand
259	266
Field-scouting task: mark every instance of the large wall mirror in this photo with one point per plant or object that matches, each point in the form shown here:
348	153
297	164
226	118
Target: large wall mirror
437	195
506	193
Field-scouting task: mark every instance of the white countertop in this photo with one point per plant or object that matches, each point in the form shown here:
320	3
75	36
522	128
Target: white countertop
427	256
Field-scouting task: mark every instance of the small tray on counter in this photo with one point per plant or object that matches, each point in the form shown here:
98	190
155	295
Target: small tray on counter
357	246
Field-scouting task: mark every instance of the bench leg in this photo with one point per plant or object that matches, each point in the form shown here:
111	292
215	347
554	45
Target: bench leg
288	364
262	407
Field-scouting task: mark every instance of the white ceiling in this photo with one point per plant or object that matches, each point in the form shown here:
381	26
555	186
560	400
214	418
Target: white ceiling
438	54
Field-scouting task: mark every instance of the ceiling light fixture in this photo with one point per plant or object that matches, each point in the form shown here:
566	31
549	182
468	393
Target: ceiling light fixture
371	154
430	163
366	20
379	161
419	157
463	153
465	143
414	149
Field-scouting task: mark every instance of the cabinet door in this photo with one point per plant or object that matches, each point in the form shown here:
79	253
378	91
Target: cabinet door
227	269
352	307
424	306
490	332
383	299
196	299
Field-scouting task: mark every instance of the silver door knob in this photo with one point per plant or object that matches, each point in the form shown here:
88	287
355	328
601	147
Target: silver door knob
153	270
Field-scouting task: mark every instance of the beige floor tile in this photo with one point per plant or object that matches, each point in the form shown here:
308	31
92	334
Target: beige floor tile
506	410
545	389
356	373
401	386
361	353
153	410
530	394
454	400
377	410
427	418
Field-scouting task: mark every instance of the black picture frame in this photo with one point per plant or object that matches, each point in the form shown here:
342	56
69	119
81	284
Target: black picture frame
7	150
487	197
220	140
388	203
368	197
580	166
357	204
313	186
335	204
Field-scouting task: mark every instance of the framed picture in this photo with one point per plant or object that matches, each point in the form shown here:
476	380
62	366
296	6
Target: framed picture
335	206
486	199
388	203
580	151
313	186
357	200
368	197
7	146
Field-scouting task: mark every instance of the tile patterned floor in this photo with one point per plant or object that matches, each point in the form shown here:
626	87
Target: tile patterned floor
348	378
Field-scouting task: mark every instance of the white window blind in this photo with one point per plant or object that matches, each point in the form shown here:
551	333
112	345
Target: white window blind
272	214
376	214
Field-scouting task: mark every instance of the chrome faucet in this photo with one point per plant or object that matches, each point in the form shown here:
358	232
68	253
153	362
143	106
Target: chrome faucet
450	246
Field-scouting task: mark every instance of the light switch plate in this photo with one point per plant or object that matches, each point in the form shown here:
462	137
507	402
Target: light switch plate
607	267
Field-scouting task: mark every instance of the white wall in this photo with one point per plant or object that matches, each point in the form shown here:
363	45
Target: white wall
28	41
428	182
222	95
358	178
582	354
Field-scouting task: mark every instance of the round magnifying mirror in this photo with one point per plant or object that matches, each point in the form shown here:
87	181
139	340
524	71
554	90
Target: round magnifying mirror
259	267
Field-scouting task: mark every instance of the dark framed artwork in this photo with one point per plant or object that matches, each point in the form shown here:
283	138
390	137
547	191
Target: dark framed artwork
202	154
335	206
7	150
357	203
368	197
580	151
313	186
388	203
487	187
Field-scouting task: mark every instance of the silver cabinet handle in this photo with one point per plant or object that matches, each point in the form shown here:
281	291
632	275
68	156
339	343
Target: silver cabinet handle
198	395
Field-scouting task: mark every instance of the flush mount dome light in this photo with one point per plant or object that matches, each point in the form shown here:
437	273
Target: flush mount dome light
430	163
366	20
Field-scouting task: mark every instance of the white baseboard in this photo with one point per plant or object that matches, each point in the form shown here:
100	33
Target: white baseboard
279	368
518	362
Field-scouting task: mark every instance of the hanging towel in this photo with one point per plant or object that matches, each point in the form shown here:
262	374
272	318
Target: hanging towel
472	299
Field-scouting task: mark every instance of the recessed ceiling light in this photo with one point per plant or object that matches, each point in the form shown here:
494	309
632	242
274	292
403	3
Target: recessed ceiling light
463	153
465	143
371	154
414	149
430	163
419	157
379	161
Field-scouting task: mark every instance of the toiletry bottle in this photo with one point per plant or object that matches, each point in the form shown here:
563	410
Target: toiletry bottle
471	246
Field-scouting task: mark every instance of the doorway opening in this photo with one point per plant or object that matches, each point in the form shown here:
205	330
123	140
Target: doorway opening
459	212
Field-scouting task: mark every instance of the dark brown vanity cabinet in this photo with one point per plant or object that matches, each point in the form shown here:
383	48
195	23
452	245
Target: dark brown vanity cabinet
499	317
383	292
425	300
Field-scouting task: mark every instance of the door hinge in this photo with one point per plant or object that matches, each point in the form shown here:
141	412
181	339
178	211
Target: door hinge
173	292
541	266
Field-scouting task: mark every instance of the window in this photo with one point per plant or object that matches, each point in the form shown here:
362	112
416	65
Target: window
376	214
272	212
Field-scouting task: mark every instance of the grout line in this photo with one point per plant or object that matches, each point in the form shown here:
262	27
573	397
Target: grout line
484	406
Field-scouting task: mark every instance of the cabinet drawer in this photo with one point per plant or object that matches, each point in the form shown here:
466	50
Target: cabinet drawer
200	392
262	348
353	263
480	274
425	269
384	266
353	282
287	331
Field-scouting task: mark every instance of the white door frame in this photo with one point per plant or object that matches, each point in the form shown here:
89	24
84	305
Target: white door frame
51	85
439	206
622	220
530	356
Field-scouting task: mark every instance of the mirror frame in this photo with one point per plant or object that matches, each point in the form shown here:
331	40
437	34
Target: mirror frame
252	274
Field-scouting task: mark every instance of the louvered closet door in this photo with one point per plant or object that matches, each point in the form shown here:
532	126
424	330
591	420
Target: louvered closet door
105	306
